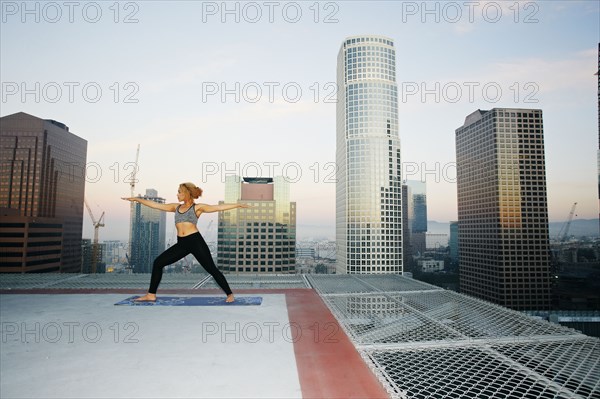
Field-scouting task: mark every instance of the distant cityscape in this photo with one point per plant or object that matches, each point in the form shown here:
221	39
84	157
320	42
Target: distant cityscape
501	248
115	260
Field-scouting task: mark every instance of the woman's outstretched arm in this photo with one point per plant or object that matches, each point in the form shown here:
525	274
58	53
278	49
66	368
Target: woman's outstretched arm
152	204
218	208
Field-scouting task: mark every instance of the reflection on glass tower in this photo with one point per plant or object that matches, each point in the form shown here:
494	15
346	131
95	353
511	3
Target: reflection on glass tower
41	195
260	239
417	206
416	209
147	232
369	185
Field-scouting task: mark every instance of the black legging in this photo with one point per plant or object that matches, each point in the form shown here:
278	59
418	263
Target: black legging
194	244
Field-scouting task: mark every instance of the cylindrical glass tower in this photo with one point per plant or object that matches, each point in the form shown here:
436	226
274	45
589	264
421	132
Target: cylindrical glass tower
369	184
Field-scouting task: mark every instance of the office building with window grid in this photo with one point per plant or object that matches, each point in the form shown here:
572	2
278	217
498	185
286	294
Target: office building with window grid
147	233
262	238
417	206
502	208
41	195
369	184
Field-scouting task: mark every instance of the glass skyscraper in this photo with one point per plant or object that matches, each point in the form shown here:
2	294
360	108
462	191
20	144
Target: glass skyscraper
417	206
262	238
453	242
369	184
148	233
503	238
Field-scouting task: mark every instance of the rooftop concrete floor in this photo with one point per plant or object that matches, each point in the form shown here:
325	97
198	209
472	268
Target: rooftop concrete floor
66	345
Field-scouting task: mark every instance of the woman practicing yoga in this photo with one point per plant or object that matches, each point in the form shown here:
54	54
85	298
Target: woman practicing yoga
189	239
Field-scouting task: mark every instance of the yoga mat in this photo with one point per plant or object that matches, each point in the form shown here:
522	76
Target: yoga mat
193	301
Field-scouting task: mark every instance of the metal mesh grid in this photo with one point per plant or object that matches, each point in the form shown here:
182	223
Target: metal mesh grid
100	281
573	363
97	281
346	283
141	281
268	281
378	318
425	342
464	372
28	281
392	318
475	318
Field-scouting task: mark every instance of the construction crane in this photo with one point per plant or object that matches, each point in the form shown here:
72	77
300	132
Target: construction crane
564	231
95	246
129	268
135	168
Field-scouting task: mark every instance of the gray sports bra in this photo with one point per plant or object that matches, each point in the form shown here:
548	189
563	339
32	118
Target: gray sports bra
187	216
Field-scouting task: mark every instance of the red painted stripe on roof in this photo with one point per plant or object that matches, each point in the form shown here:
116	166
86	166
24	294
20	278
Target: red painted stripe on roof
328	364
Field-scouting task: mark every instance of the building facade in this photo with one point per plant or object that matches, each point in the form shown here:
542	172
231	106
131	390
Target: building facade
42	166
30	244
369	184
408	264
453	242
87	257
416	211
502	208
148	234
262	238
417	206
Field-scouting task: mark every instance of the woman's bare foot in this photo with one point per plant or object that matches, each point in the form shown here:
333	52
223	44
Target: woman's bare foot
146	298
230	298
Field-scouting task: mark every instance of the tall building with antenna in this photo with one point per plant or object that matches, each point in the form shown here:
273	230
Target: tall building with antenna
369	184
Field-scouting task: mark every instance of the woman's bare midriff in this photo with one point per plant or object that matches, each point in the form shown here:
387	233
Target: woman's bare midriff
185	229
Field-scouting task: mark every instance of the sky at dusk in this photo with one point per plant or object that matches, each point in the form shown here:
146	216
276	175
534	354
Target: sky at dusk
212	88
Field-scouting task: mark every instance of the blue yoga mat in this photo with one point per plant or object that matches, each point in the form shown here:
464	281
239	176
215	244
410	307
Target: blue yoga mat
193	301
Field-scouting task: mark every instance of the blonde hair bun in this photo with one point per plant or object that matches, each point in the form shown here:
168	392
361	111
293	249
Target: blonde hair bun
194	190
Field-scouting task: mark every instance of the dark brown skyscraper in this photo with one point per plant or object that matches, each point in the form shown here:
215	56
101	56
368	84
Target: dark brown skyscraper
502	208
41	195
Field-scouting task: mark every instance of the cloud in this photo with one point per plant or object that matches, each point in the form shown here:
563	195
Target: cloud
573	72
467	15
193	76
463	28
518	81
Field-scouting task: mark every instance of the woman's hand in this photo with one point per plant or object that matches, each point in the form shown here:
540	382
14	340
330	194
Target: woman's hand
132	199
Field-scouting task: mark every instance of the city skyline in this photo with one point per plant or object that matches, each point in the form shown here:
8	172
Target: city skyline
157	82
